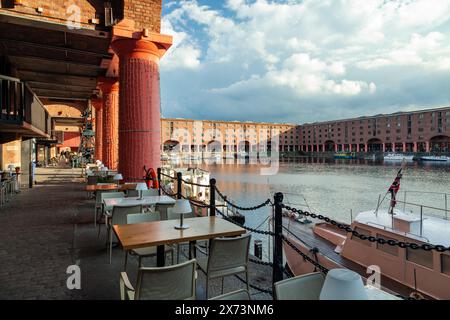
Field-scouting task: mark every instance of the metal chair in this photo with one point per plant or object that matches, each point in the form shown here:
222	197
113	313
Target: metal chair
150	193
304	287
227	256
235	295
119	217
101	195
149	251
165	283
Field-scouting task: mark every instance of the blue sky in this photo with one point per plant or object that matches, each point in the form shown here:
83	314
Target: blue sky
302	61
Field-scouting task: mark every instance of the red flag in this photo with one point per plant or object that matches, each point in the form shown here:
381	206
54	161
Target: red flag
395	186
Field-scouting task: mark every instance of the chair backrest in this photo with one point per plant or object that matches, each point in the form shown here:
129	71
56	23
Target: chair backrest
105	194
120	213
235	295
174	216
150	193
175	282
92	180
143	217
304	287
132	193
227	253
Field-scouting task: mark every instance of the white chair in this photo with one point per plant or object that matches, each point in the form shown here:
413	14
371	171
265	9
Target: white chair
165	283
119	217
100	205
235	295
227	256
304	287
149	251
150	193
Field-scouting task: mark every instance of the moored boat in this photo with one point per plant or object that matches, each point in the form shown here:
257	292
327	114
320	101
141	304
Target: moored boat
398	157
345	155
435	158
404	270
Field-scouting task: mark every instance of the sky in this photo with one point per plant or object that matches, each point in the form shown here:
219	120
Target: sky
300	61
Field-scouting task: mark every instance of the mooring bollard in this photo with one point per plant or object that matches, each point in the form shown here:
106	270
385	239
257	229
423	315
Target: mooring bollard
258	249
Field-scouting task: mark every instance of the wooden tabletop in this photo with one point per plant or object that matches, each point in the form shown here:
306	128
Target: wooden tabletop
95	187
141	235
134	201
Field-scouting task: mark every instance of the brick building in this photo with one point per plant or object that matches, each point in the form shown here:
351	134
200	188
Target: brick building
59	57
417	131
227	136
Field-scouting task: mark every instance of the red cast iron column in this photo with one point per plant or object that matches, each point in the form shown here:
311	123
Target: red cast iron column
98	106
110	91
139	112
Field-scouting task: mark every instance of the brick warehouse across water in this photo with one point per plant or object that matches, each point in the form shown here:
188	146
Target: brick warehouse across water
416	131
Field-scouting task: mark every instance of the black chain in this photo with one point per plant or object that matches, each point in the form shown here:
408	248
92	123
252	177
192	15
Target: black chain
265	203
254	287
168	176
261	262
167	193
246	228
348	229
306	257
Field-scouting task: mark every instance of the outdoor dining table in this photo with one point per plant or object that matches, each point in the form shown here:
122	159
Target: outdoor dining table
98	187
160	233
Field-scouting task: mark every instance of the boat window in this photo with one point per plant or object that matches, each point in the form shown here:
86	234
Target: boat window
421	257
385	247
445	263
364	232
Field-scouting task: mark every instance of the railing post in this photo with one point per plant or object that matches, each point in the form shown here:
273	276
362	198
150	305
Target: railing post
159	180
179	185
277	274
446	207
212	197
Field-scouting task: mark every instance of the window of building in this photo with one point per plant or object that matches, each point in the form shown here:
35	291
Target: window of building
385	247
363	232
420	257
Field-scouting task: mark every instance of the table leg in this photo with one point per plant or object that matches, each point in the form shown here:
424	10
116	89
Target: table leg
160	256
192	249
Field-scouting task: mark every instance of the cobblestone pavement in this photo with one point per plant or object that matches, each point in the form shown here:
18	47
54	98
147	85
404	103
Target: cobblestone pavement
46	229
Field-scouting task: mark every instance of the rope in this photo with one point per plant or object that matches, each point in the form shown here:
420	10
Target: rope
390	242
168	176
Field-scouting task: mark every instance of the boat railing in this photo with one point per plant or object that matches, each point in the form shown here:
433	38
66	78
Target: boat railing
445	196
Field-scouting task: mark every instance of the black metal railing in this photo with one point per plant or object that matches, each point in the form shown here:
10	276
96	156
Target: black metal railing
278	270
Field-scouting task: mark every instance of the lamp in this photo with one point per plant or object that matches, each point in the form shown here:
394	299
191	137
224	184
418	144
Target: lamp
182	207
141	186
343	284
118	177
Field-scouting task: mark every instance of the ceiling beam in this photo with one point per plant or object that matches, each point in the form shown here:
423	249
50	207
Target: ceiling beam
38	61
55	77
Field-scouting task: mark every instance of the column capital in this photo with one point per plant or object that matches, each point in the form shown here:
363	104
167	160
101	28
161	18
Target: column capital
108	85
148	49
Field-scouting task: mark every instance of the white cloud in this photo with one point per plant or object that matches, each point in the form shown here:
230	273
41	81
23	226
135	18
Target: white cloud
309	52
